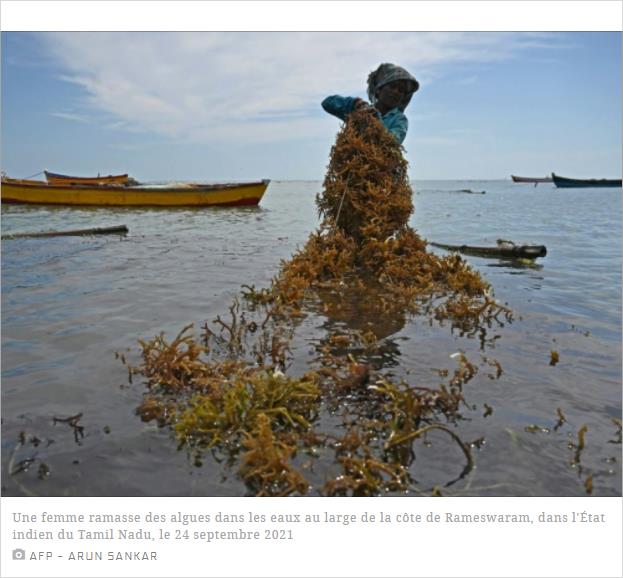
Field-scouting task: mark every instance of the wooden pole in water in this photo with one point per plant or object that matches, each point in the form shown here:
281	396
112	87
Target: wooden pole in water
513	251
119	230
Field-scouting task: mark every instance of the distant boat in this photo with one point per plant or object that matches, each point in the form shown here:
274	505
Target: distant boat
175	195
566	183
517	179
503	249
57	179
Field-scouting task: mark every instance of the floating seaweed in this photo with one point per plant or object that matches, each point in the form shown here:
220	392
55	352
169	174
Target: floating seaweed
44	471
588	484
229	389
561	419
72	421
579	447
219	417
265	463
22	466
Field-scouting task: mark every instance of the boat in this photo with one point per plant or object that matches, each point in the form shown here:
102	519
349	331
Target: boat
57	179
174	195
566	183
517	179
503	249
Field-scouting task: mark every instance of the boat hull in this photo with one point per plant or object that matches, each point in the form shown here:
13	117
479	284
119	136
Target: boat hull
191	195
517	179
567	183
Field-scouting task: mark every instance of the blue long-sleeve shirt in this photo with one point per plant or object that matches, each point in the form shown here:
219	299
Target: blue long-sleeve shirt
394	120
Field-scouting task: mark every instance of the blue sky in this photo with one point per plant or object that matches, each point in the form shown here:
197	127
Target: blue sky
224	105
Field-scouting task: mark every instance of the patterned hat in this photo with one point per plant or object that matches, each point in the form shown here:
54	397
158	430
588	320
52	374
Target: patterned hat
387	73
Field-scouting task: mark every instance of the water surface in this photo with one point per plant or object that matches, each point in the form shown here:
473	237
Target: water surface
70	303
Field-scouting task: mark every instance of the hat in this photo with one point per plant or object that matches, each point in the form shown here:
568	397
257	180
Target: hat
387	73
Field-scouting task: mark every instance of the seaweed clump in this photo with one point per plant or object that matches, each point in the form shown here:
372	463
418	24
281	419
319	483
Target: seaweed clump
366	188
228	392
364	247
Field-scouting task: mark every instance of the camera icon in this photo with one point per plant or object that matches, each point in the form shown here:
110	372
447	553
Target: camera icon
19	554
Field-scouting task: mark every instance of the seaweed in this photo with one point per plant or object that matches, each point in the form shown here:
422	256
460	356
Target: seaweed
561	419
265	463
72	421
579	447
228	390
208	419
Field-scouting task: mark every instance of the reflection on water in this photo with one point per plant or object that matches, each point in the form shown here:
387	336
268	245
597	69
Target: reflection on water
517	264
362	309
69	304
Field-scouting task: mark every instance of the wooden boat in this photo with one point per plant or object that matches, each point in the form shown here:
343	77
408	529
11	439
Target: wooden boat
503	249
57	179
566	183
517	179
177	195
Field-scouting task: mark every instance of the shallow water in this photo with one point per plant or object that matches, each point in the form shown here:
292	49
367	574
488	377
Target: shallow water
70	303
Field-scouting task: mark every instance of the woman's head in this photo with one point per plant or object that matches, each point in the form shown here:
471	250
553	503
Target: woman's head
392	86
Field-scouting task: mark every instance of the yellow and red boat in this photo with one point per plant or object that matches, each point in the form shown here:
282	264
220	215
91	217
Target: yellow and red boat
107	195
58	179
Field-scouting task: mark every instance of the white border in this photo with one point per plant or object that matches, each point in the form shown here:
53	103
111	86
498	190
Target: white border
476	551
304	15
372	548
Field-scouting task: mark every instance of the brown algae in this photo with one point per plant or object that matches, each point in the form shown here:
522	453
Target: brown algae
229	389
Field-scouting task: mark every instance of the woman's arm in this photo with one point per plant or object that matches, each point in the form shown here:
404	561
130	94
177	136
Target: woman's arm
340	106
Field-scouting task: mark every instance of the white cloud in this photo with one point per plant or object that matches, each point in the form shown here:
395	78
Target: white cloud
72	116
251	87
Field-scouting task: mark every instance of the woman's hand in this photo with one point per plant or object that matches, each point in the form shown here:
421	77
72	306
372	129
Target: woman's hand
365	106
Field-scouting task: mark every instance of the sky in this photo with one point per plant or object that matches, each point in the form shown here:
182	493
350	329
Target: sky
246	105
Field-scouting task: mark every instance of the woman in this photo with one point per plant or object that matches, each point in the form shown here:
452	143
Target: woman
390	89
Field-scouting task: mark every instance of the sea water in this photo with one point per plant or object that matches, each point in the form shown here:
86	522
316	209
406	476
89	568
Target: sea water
70	304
